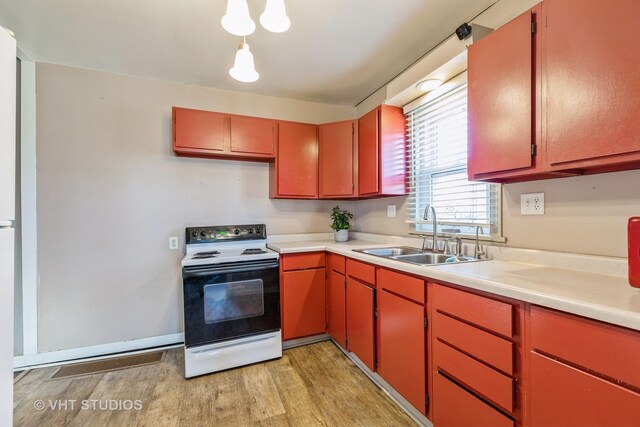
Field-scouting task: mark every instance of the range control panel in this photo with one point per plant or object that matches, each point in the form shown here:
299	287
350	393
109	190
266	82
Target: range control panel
225	233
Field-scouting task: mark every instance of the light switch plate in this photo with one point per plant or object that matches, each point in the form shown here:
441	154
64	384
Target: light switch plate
391	211
532	204
173	243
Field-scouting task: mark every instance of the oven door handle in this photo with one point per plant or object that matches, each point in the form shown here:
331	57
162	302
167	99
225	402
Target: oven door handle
228	269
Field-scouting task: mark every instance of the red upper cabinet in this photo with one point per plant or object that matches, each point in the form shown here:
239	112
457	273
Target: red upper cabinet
382	152
217	135
198	130
592	81
294	174
337	160
252	135
502	88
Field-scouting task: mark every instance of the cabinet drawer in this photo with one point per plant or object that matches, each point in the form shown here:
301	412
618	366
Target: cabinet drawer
491	384
564	396
487	313
336	263
401	284
361	271
489	348
610	350
456	407
303	261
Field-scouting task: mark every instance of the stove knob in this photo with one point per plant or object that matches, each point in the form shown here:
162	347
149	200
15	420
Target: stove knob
203	233
194	234
236	231
251	231
258	231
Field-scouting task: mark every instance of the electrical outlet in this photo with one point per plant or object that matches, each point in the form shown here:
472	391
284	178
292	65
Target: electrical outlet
532	204
173	243
391	211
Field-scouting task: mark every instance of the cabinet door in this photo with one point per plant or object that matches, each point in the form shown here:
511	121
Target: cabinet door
250	135
500	99
303	307
336	151
561	395
336	307
297	160
592	80
369	153
203	130
402	347
360	322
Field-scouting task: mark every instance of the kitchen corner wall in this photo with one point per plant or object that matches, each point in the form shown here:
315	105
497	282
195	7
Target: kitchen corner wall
584	214
110	193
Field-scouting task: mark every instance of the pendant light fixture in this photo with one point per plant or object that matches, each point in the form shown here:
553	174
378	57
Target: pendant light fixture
244	69
237	20
275	17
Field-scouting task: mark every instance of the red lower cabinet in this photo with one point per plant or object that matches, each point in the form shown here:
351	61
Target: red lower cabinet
336	316
564	396
303	303
582	372
402	347
360	321
459	408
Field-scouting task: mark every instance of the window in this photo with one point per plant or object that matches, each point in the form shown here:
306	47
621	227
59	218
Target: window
437	133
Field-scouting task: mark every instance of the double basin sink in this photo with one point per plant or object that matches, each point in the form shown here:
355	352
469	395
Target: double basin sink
416	256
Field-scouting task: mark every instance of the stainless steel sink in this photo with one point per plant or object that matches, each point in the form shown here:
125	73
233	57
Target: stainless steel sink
415	256
432	258
390	252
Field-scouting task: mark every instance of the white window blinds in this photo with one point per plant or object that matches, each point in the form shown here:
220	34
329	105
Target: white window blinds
437	134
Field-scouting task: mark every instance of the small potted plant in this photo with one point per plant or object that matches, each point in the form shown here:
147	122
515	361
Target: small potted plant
340	224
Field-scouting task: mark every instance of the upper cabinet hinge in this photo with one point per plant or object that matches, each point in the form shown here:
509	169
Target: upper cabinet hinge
534	27
426	322
426	400
534	150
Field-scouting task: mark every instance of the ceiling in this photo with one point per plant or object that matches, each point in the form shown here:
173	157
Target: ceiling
336	51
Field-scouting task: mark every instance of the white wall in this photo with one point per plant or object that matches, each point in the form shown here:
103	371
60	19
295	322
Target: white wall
111	192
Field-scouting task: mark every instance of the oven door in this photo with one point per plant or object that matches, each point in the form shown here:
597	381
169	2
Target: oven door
227	301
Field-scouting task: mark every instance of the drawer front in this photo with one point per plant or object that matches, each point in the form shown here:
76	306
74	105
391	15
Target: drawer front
456	407
303	261
493	315
491	384
336	263
489	348
607	349
361	271
563	396
401	284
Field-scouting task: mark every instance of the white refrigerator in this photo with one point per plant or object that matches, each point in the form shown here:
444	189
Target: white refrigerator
7	216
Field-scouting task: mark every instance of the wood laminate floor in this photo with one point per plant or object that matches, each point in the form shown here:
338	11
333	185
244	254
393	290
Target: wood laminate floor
314	385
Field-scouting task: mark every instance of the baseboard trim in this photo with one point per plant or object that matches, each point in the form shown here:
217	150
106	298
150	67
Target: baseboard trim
403	403
95	352
298	342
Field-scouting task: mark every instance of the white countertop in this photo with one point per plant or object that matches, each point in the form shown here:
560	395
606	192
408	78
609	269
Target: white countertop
596	295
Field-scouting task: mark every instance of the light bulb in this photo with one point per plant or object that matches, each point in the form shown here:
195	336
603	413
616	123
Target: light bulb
237	20
244	69
275	17
429	85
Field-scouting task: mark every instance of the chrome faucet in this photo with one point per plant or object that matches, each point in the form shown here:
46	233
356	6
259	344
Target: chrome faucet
427	210
478	253
458	245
